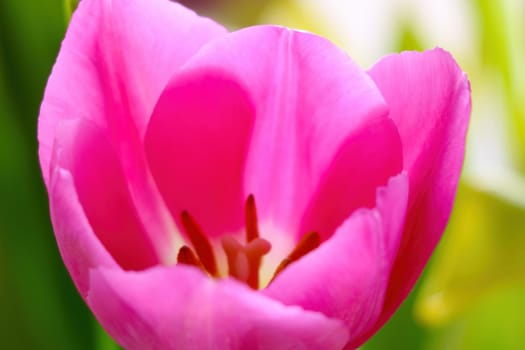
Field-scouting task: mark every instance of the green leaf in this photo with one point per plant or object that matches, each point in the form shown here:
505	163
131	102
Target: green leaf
39	305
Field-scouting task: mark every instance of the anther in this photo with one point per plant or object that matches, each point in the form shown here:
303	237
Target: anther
200	243
186	256
308	242
252	229
244	260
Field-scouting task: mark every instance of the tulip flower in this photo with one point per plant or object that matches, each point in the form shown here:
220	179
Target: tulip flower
245	190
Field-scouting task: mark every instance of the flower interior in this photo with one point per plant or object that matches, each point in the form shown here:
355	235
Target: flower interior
244	260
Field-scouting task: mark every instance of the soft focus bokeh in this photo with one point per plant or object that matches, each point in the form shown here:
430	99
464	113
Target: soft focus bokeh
472	295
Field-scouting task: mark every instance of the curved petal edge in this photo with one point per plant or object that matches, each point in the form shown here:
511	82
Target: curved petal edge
429	99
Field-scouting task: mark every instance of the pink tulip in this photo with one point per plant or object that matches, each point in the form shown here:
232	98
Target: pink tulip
244	190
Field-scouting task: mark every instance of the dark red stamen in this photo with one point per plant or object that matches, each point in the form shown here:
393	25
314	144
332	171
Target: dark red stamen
186	256
244	260
309	242
200	243
252	228
252	233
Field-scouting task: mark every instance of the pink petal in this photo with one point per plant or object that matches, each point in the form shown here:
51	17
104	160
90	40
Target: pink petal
347	277
117	56
429	99
196	146
114	62
309	97
369	157
181	308
80	248
101	188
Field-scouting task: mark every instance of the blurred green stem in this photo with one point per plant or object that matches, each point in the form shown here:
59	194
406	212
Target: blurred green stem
69	8
501	33
103	341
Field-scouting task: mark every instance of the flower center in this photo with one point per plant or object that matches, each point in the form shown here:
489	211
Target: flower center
244	260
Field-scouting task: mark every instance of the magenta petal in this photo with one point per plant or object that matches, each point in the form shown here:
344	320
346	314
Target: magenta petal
196	146
181	308
309	97
80	248
347	276
115	60
429	99
102	191
368	158
111	69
